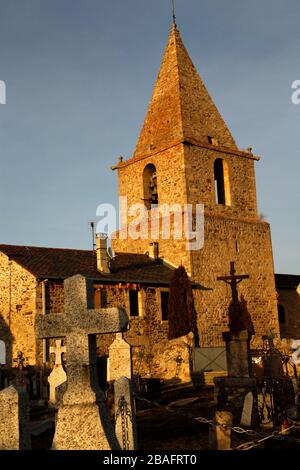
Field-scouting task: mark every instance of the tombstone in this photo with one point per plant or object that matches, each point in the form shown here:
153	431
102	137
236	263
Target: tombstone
14	419
246	418
119	363
2	353
220	433
125	414
58	377
79	426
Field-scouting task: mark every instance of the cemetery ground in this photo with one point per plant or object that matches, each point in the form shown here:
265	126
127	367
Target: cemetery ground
165	422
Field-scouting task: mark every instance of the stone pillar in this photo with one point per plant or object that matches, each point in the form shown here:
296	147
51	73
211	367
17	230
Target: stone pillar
14	419
126	431
120	363
231	390
237	353
220	434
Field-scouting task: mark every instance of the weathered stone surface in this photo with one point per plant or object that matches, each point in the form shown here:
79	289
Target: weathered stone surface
79	425
58	377
220	437
14	420
180	107
125	420
184	160
120	359
246	418
237	353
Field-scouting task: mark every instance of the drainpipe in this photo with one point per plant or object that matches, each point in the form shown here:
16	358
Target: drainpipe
44	312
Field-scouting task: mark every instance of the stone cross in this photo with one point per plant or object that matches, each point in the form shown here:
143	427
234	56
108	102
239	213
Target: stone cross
58	350
57	378
119	363
78	423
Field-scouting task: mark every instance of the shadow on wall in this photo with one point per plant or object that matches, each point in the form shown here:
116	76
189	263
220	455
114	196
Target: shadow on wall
6	340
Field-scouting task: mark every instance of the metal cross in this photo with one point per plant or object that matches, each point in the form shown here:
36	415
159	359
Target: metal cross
173	9
233	280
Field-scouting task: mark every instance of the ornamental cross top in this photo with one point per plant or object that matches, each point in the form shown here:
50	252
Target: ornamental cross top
79	323
58	350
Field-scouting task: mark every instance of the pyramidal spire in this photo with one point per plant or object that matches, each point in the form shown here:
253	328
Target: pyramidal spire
181	108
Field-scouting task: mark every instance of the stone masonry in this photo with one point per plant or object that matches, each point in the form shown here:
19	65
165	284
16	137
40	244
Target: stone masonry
182	136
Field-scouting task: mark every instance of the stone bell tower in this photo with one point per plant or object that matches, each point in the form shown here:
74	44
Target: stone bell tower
186	155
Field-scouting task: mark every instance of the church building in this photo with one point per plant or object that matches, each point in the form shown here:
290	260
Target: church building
185	155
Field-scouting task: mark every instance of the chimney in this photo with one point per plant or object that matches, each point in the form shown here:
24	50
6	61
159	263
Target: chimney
153	251
102	256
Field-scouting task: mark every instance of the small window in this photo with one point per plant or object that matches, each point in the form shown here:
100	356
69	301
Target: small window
2	353
100	297
222	185
281	314
134	303
164	296
210	139
150	186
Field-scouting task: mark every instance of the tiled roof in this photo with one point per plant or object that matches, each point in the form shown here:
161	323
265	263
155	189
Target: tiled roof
58	263
181	108
287	281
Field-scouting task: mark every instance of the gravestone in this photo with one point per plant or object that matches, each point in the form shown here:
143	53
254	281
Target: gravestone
79	426
125	414
14	419
246	418
58	377
119	363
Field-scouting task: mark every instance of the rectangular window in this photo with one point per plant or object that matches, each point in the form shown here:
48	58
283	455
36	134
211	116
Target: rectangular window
164	297
100	297
134	303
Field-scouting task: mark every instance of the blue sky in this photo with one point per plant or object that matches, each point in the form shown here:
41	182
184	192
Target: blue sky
79	76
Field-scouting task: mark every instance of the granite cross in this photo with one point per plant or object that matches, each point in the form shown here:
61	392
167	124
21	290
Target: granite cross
78	425
233	280
58	350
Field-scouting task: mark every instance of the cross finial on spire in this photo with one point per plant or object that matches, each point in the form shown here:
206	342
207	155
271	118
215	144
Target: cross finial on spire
173	9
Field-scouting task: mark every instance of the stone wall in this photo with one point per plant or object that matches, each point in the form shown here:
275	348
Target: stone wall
54	303
290	300
200	184
185	174
17	310
153	354
249	245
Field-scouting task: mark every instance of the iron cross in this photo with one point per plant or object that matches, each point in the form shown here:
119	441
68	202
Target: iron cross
173	9
233	280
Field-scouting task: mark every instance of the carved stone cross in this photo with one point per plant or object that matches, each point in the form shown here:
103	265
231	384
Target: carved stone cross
78	425
58	350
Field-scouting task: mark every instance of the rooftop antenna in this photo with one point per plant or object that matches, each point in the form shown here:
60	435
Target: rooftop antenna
92	225
173	10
